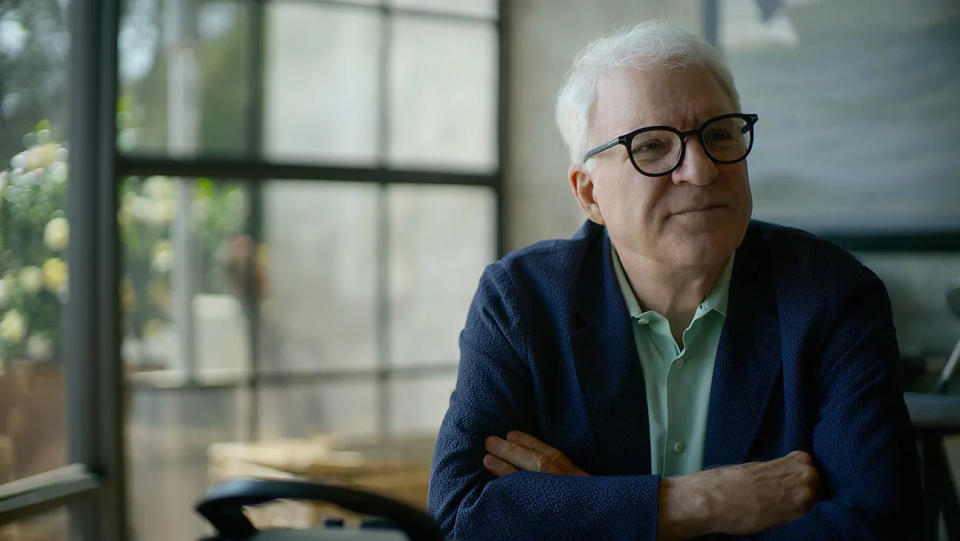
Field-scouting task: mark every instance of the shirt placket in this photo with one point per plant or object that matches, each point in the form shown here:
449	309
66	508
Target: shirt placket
677	421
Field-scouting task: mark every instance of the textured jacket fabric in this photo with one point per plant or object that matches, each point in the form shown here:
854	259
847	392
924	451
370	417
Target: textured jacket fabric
807	360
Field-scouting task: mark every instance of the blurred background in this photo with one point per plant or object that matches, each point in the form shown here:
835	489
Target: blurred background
262	262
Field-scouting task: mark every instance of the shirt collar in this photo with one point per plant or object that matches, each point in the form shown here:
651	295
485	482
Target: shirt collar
716	300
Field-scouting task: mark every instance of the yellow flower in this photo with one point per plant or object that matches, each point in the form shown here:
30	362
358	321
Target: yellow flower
40	155
55	274
159	293
39	348
161	257
56	234
154	328
31	279
12	326
157	187
127	294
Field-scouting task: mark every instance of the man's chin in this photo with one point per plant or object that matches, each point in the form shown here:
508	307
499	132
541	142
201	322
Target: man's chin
703	247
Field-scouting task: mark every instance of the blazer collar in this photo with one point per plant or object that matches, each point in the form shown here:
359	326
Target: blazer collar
608	369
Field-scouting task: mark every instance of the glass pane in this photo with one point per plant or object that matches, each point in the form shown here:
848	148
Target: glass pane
441	237
320	305
169	434
417	405
49	526
34	56
320	82
482	8
443	94
858	109
33	424
918	284
304	410
184	77
184	289
34	233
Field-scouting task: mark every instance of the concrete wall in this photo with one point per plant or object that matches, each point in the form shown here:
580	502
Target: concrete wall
542	37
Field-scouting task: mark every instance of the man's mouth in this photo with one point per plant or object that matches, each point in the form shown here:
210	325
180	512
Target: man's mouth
704	208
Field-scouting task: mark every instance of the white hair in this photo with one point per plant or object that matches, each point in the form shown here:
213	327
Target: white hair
650	43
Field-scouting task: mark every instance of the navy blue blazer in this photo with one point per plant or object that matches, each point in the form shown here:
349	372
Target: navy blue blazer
807	360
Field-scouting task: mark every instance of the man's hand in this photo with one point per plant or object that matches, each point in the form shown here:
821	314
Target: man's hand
522	451
738	500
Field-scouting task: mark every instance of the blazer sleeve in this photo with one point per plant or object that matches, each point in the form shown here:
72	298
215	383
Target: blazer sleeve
494	394
863	441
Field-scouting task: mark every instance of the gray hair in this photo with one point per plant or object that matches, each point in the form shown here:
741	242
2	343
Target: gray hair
650	43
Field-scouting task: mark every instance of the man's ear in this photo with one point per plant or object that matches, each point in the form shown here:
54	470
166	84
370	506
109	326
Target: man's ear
584	190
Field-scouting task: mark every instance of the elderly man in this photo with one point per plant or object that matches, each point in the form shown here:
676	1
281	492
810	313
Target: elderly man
674	369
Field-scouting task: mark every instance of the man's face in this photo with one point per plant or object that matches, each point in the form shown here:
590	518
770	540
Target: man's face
693	216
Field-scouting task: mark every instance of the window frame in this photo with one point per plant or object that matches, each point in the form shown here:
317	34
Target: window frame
93	485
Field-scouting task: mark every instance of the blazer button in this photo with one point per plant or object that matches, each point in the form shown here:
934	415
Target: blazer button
678	447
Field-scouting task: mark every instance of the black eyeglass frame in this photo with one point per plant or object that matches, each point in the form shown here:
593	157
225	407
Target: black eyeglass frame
627	138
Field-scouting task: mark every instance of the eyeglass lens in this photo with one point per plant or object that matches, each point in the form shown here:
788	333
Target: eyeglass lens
656	152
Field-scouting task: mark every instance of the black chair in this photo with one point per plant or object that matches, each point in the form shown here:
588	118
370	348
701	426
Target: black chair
935	415
389	520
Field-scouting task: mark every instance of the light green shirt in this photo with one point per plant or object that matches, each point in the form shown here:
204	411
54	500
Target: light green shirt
677	381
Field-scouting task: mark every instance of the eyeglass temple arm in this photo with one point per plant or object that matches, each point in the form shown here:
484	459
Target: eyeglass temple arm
596	150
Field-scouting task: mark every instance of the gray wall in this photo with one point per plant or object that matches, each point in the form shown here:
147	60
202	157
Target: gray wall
542	37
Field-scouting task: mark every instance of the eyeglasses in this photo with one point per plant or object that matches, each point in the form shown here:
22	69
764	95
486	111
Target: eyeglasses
658	150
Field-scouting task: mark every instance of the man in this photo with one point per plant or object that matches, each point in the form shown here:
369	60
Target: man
674	369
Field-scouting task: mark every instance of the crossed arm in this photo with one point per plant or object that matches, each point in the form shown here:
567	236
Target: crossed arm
741	499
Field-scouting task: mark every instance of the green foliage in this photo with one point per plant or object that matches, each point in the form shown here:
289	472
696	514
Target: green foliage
34	67
217	215
34	234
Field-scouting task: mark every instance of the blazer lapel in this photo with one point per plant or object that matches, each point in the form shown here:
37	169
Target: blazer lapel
748	360
608	369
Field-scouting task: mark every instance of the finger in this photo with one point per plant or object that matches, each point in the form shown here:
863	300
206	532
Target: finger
526	440
555	461
520	457
496	466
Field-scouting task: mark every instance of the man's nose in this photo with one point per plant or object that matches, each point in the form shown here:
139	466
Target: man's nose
696	167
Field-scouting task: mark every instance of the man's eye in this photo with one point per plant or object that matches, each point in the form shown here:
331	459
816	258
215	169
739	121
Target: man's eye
718	135
652	145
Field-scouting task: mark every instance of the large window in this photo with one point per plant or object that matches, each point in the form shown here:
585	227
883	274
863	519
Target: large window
34	236
283	208
308	193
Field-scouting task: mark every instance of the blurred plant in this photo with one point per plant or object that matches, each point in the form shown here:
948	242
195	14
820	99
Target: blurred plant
34	234
147	210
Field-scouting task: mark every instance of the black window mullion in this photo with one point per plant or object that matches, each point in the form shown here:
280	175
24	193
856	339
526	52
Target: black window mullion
383	327
501	146
254	224
140	165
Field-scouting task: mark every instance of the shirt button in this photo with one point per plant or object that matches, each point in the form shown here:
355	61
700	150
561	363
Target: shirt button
678	447
679	364
643	320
